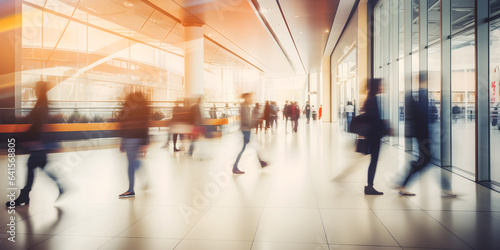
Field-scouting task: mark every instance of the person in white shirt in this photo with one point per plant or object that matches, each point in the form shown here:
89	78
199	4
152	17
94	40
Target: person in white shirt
349	109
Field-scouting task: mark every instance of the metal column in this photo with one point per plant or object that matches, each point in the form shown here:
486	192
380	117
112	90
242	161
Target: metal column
423	57
394	55
482	92
408	64
446	83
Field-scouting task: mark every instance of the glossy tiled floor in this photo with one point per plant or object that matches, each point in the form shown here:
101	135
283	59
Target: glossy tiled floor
310	197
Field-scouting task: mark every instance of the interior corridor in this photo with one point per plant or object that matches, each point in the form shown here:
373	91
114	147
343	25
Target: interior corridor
309	197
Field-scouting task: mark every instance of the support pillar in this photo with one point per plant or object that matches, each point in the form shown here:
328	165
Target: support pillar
326	89
446	83
408	10
193	60
482	92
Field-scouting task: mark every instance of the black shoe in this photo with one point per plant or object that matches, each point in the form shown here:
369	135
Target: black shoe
263	164
127	195
369	190
23	198
176	150
61	192
237	171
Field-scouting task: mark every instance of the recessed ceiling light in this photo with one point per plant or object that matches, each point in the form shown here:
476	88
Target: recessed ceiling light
326	31
128	4
300	32
296	16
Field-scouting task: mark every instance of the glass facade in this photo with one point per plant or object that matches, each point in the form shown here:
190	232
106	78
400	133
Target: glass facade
463	85
417	50
434	76
95	54
494	80
345	73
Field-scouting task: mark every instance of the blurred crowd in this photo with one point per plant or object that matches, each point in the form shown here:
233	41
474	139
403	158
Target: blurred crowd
188	123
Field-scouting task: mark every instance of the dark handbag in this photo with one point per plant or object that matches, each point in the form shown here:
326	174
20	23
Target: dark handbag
360	125
362	146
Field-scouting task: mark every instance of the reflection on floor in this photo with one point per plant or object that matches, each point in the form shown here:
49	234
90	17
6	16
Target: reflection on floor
309	197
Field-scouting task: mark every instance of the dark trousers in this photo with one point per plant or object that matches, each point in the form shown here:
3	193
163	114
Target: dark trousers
295	124
424	156
246	140
374	144
349	119
175	140
37	159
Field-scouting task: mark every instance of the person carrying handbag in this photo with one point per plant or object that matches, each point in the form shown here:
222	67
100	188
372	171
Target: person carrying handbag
374	131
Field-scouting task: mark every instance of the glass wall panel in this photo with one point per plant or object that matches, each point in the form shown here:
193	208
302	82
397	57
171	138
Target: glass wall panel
495	91
434	77
91	67
463	85
415	27
401	97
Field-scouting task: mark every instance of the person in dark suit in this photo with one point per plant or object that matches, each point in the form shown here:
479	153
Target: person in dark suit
375	132
36	142
418	128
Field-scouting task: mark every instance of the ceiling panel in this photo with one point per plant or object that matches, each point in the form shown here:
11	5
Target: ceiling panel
310	23
234	25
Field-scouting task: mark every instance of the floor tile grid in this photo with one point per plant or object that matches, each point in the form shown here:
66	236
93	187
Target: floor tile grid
317	204
451	209
449	230
116	236
420	208
211	205
373	212
315	188
261	214
426	212
52	234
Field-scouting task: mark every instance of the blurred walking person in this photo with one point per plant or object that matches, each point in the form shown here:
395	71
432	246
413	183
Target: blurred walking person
197	122
36	142
307	111
375	132
275	113
417	117
245	126
349	109
295	115
284	108
256	118
267	115
134	124
286	114
179	125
